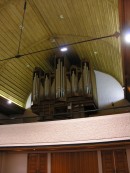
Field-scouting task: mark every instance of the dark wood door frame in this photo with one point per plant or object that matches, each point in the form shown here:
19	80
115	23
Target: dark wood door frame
124	18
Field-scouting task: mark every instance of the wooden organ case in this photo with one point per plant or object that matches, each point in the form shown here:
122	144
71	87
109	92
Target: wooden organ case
67	92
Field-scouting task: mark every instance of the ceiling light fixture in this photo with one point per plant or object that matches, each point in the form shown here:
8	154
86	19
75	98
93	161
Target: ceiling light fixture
127	37
9	102
61	16
63	49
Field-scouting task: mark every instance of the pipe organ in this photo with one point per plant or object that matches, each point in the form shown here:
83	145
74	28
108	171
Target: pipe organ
67	92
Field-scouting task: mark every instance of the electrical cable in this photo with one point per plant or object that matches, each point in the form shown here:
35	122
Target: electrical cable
116	34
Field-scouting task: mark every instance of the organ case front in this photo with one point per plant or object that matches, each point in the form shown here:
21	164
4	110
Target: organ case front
67	92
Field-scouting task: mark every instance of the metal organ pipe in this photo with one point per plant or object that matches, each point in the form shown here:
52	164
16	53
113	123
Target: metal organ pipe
89	83
61	76
35	87
76	83
86	79
33	95
63	83
41	90
46	86
53	89
57	81
60	79
73	82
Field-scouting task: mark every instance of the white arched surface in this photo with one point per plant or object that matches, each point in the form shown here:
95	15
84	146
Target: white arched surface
109	90
28	103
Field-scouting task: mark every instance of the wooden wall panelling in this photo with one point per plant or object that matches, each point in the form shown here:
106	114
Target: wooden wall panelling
74	162
121	161
32	163
42	163
87	162
114	161
108	161
37	163
61	162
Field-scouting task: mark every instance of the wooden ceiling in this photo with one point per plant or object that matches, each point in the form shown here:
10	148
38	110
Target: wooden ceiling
49	24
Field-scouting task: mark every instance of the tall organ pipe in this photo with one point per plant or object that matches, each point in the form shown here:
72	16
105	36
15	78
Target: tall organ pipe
57	81
41	90
60	79
61	76
89	83
73	82
63	83
85	77
34	88
46	86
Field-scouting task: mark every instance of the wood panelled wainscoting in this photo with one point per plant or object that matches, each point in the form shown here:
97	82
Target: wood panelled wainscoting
114	161
111	161
74	162
37	163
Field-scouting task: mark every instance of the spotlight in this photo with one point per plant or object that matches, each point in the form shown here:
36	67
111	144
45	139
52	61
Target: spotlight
9	102
127	37
63	49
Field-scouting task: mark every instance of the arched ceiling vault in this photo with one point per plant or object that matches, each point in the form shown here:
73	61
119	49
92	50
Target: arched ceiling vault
50	24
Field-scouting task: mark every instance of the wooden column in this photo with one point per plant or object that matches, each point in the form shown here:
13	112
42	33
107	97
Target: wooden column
124	17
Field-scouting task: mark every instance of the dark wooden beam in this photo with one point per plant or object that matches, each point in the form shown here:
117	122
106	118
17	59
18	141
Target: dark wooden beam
124	17
69	147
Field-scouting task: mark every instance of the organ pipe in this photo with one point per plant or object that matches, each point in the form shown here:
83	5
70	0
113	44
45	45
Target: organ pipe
66	89
46	86
63	83
76	81
33	93
35	88
86	79
41	90
60	84
73	82
61	76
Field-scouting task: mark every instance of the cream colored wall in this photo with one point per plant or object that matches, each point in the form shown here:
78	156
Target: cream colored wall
14	163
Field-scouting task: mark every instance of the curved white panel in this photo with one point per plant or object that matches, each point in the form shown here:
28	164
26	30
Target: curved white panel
109	89
28	102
